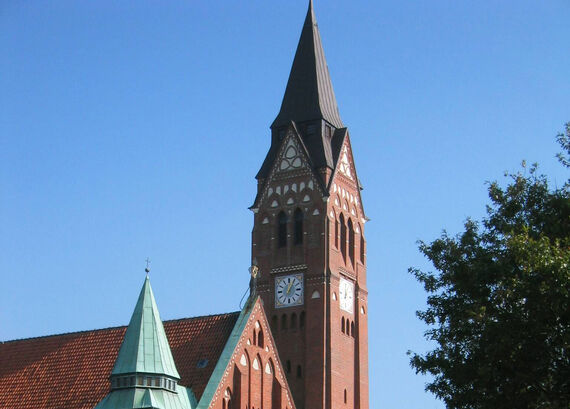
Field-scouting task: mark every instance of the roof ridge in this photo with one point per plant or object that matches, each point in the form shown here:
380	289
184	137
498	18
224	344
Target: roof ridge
113	327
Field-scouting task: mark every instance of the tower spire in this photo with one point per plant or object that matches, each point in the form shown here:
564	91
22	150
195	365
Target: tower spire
309	94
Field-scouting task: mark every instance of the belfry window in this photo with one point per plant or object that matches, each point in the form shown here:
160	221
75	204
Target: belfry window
351	241
342	236
282	229
298	217
361	246
293	321
336	233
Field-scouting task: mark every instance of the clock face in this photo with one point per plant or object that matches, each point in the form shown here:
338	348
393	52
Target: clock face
289	290
346	295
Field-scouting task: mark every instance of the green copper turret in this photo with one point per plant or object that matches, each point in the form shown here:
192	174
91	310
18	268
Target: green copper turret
144	375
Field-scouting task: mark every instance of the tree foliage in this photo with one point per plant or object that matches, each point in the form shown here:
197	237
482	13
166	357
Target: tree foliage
499	299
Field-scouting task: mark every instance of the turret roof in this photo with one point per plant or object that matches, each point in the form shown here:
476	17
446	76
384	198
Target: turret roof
145	348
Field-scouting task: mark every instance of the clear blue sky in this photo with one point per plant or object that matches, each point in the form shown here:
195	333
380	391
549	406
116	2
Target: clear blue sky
135	129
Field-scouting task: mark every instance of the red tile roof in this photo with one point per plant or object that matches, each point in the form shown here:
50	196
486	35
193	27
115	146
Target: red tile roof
72	370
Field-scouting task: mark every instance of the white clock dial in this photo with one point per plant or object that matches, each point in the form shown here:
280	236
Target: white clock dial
346	295
289	290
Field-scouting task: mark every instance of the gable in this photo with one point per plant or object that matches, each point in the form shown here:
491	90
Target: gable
344	185
292	163
249	372
72	370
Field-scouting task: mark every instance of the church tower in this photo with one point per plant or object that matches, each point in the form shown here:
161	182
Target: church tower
308	240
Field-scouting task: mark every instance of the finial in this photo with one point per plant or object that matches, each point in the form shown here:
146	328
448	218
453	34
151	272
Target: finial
147	269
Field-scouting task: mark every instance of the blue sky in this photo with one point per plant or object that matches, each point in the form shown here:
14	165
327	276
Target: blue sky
135	129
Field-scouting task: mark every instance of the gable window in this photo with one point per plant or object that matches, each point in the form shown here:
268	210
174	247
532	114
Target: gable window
260	338
282	229
298	217
328	131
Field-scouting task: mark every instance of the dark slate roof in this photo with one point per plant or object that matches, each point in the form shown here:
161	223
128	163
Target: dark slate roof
72	370
309	94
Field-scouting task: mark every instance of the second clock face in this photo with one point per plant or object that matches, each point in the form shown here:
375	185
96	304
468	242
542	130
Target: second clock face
289	290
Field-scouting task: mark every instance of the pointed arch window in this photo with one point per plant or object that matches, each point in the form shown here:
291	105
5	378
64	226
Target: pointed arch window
342	325
302	320
260	339
362	246
336	233
298	217
282	229
284	322
342	236
351	241
293	321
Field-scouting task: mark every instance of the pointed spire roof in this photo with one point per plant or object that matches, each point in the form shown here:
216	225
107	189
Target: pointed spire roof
145	348
309	94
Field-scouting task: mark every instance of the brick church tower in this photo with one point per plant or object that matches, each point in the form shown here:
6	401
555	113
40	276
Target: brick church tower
308	240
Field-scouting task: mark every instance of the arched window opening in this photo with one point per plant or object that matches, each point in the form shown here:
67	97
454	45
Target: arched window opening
260	339
342	236
282	229
288	366
342	325
336	233
298	217
224	404
361	246
293	321
302	320
284	322
345	396
299	372
254	338
351	241
352	331
274	323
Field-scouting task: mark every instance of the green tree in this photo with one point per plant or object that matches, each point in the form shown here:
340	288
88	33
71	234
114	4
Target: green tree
498	305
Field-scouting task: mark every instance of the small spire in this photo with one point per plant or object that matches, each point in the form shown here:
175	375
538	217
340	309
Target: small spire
309	94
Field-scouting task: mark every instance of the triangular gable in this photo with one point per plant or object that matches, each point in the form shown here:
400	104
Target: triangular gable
243	352
346	170
292	159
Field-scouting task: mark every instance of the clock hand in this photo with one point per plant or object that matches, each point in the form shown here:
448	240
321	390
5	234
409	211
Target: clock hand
289	287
